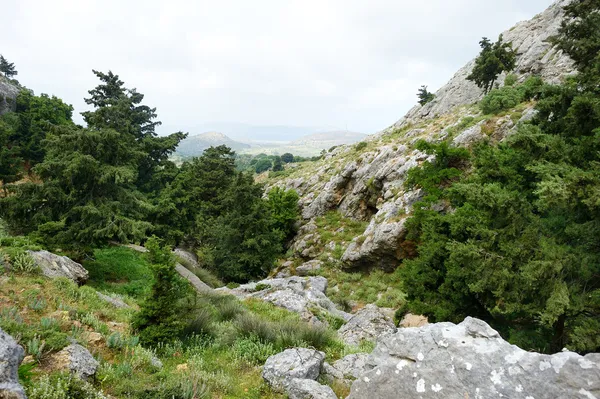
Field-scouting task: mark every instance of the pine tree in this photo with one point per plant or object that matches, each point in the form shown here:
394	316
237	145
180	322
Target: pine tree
8	68
160	317
277	165
424	95
244	241
121	109
493	59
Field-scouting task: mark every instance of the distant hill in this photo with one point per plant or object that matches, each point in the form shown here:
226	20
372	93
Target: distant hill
325	140
195	145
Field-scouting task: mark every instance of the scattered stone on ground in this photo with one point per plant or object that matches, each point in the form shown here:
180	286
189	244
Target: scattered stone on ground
11	355
76	359
55	266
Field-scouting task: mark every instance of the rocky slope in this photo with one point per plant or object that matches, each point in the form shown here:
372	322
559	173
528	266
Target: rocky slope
366	181
8	95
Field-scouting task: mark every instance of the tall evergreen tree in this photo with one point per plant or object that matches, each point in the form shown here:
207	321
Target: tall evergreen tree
7	68
424	95
160	317
494	59
121	109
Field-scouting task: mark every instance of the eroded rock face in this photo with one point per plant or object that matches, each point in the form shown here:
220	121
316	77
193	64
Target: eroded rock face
76	359
471	360
11	356
368	324
54	266
294	363
8	95
296	294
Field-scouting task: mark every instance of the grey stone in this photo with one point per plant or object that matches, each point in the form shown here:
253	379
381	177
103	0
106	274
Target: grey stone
296	294
113	300
471	360
55	266
8	95
11	356
199	285
352	366
367	324
156	363
308	389
469	136
78	360
309	267
301	363
189	258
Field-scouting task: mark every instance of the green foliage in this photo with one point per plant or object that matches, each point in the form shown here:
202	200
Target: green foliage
7	68
277	165
507	97
243	240
158	320
195	196
520	247
360	146
494	59
285	212
510	80
119	270
24	263
262	165
287	157
433	176
424	95
62	386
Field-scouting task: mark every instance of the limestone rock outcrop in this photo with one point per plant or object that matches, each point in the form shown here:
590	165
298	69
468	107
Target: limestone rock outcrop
11	356
299	363
368	324
297	294
8	95
471	360
54	266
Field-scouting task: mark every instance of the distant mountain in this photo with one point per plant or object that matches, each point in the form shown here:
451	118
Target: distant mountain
326	140
195	145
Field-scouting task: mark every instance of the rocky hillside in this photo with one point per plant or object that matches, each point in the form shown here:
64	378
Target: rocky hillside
365	182
195	145
8	94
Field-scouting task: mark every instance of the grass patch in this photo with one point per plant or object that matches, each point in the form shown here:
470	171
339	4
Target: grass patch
120	270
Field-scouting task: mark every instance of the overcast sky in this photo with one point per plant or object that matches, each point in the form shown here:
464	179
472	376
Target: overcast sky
335	64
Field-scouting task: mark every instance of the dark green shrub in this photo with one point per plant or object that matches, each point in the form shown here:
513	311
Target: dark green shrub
499	100
360	146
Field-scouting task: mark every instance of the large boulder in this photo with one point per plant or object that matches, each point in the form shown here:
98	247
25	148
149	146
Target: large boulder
295	363
471	360
75	359
302	295
11	356
55	266
367	324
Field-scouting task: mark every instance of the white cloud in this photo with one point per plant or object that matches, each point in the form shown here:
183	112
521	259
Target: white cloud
338	63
